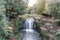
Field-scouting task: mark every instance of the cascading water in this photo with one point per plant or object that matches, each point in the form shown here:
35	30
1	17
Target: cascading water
29	32
29	25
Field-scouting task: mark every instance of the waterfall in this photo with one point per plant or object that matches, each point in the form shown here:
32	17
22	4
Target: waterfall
28	32
29	25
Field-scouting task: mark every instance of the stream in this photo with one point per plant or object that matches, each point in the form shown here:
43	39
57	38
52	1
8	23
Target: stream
28	33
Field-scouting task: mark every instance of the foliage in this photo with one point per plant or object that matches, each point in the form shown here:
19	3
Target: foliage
18	6
54	9
14	8
3	22
21	23
40	6
58	34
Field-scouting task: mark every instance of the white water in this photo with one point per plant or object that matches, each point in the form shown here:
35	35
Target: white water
29	22
29	32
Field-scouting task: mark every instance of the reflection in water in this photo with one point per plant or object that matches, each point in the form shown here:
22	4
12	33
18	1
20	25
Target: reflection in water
29	33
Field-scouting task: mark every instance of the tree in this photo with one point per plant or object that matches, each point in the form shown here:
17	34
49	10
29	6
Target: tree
14	8
40	6
3	22
54	9
18	6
